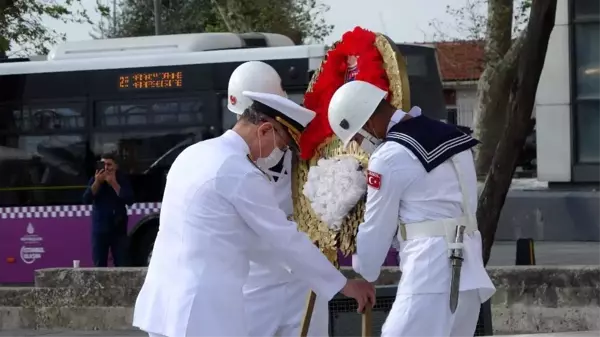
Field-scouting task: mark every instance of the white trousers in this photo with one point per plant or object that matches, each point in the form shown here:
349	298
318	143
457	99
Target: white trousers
429	315
278	310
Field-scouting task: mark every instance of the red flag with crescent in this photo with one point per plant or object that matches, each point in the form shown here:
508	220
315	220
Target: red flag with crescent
374	179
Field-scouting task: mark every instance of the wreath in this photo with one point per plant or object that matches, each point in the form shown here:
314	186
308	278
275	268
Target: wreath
332	225
358	45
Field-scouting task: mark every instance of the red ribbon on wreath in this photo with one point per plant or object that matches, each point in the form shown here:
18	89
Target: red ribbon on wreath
358	43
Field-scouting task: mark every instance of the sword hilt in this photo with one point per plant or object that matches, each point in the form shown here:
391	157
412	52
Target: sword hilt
460	232
456	252
456	260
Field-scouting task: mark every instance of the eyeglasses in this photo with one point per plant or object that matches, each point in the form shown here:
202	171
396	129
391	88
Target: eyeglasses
276	126
286	147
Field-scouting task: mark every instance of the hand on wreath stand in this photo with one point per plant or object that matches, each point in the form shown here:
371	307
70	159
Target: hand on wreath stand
362	291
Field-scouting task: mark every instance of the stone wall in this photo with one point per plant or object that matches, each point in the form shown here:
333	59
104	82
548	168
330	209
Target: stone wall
528	299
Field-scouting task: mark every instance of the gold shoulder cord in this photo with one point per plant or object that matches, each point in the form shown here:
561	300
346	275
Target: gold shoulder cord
253	163
293	131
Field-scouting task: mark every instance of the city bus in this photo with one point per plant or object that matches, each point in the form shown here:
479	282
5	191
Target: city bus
147	98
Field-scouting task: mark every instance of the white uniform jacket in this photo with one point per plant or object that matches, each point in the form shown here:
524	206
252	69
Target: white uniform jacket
275	298
262	275
408	194
219	212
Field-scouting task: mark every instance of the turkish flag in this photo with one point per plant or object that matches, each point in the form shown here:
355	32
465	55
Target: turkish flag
374	179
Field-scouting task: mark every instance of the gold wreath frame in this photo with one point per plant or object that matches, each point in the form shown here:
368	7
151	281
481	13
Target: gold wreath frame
327	240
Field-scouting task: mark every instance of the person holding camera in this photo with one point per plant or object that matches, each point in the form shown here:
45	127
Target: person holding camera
109	191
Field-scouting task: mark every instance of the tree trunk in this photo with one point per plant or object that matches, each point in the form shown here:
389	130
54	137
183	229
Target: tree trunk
523	90
490	111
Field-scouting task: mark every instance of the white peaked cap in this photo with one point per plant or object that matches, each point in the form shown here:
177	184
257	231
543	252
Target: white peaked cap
288	113
286	106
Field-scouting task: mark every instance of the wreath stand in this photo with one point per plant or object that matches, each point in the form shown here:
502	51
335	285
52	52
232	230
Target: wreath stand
359	55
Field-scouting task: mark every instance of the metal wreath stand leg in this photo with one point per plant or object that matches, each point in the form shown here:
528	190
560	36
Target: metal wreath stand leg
310	306
327	240
367	323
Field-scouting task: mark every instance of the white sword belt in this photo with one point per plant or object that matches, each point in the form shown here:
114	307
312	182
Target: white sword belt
437	228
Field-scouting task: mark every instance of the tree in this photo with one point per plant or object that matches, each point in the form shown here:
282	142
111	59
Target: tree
501	52
515	44
522	92
22	30
299	19
499	31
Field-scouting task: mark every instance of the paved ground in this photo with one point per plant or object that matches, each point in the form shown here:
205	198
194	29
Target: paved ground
29	333
66	333
503	254
549	253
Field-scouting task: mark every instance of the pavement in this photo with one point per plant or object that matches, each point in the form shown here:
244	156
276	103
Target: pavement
503	254
70	333
549	253
138	333
30	333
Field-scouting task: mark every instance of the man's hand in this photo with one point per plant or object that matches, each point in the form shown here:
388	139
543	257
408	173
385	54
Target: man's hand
110	178
362	291
100	176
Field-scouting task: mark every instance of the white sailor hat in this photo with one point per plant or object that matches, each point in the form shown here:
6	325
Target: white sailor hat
288	113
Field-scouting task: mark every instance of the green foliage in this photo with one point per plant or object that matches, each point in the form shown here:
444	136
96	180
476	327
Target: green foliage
22	25
299	19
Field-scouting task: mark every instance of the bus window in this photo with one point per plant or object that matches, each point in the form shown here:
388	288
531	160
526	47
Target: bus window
228	117
41	170
297	97
9	118
147	155
426	89
418	65
41	160
43	117
188	111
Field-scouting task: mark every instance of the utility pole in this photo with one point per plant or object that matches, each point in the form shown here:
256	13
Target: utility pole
114	17
157	15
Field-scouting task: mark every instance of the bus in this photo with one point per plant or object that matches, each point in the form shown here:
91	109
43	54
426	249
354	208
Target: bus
147	98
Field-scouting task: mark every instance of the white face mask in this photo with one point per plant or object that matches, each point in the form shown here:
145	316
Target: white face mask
369	143
273	158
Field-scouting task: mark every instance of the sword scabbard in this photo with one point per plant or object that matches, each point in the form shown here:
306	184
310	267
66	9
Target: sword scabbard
456	258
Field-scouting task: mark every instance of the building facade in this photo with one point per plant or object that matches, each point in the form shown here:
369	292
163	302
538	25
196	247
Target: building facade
568	98
461	64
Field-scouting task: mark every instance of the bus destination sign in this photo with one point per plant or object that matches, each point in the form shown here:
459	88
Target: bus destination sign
155	80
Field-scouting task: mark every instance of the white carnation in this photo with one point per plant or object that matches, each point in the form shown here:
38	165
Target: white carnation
334	187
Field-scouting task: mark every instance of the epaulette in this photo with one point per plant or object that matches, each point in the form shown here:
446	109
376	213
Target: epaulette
261	170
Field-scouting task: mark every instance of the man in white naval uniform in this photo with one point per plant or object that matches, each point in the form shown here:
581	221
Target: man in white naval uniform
275	299
218	213
421	186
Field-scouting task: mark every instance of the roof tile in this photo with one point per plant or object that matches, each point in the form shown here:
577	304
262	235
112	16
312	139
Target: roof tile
460	60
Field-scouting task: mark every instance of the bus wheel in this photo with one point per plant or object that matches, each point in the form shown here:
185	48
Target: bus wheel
142	246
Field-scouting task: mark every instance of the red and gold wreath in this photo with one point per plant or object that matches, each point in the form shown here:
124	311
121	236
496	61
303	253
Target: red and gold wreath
358	44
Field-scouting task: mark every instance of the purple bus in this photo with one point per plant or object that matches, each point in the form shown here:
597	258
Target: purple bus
146	98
